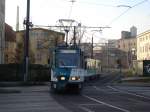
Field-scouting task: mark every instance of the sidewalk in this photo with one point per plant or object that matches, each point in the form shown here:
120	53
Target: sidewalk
8	90
136	81
29	99
12	87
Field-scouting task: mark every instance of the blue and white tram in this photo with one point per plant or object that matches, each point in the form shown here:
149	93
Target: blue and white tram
67	68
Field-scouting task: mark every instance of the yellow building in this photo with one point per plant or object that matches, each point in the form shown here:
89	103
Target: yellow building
40	42
10	45
143	46
127	44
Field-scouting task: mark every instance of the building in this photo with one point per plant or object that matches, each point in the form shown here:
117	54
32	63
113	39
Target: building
109	57
143	46
125	34
129	46
129	34
10	45
133	31
2	30
112	43
87	48
40	43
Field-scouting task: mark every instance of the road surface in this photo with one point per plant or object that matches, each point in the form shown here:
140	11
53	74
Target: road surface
97	96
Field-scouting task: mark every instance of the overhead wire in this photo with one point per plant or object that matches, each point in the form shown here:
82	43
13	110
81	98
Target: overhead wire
129	7
90	3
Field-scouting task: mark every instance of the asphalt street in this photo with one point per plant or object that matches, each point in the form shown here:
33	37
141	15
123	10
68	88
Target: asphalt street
97	96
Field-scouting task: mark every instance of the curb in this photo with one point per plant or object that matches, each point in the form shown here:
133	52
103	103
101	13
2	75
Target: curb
132	84
4	91
16	84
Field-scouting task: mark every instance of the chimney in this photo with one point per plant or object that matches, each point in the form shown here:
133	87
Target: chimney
17	19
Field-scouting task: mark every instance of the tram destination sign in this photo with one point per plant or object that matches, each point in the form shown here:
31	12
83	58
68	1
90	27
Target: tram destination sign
68	51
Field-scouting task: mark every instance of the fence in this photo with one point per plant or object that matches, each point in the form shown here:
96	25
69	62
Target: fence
14	72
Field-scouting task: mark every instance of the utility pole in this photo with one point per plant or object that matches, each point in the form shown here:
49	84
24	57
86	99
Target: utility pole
92	48
17	19
26	60
74	36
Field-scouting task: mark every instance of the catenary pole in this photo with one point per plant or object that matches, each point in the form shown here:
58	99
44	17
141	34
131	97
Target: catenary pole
26	61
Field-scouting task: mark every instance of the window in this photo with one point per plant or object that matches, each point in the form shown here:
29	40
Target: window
39	44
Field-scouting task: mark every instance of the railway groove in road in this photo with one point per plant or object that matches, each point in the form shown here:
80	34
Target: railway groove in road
126	92
99	96
129	101
106	104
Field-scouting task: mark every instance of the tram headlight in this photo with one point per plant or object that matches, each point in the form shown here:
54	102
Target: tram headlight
62	78
75	78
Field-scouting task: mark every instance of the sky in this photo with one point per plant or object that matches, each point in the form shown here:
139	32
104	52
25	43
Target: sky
118	14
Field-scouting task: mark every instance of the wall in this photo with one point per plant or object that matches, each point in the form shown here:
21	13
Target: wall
143	46
2	29
41	41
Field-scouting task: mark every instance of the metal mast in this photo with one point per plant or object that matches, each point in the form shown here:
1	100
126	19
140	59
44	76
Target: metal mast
26	61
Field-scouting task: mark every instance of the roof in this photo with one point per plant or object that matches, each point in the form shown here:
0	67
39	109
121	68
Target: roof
9	33
34	29
143	33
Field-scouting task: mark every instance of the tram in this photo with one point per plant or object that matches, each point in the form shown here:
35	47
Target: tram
67	68
93	68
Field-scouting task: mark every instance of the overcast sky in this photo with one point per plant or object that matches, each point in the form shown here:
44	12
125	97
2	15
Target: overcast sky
88	12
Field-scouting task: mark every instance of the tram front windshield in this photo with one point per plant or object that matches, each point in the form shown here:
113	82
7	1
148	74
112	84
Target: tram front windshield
70	60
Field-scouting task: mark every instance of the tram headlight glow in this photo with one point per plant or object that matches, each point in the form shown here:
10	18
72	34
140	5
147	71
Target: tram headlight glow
62	78
75	78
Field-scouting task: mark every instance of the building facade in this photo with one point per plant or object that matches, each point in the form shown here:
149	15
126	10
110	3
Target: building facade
40	43
2	30
143	46
133	31
129	34
10	45
87	48
129	46
125	34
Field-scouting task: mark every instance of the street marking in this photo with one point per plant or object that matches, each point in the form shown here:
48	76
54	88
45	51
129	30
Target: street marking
95	87
121	91
89	104
109	105
99	89
86	109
